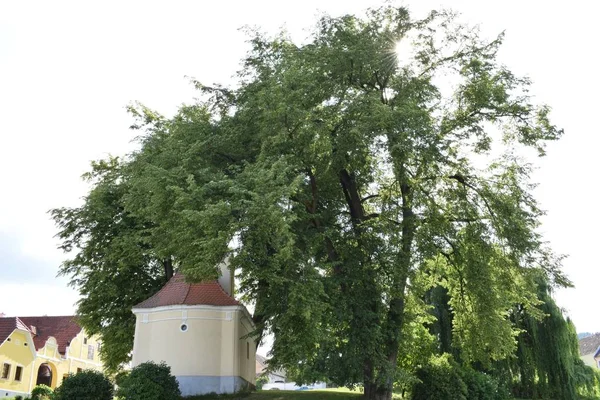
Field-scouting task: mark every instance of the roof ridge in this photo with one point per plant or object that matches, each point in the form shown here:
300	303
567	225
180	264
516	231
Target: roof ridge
223	290
18	320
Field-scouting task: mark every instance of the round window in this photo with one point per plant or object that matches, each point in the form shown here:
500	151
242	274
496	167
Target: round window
183	327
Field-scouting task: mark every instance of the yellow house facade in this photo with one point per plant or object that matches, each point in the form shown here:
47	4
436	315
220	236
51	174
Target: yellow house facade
43	350
201	332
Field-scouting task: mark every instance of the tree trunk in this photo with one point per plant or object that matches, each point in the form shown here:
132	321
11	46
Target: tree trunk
379	384
375	392
168	268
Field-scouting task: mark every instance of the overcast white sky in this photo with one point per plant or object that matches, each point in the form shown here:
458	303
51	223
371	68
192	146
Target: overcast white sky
68	69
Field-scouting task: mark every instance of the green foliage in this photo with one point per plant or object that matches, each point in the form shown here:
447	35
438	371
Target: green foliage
547	362
260	381
114	268
482	386
440	378
85	385
42	392
149	381
341	175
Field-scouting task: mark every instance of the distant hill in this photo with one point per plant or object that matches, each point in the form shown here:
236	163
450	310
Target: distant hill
583	335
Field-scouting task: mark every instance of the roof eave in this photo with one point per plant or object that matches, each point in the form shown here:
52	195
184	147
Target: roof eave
138	310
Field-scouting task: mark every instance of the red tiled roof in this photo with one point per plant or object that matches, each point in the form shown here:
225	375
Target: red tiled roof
63	329
179	292
8	325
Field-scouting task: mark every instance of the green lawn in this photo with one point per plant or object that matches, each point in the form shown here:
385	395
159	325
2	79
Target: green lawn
286	395
327	394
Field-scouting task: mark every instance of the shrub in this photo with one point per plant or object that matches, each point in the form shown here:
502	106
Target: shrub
120	376
86	385
18	397
481	386
41	392
439	379
149	381
260	381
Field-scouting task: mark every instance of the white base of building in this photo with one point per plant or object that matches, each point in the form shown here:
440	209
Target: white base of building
10	393
195	385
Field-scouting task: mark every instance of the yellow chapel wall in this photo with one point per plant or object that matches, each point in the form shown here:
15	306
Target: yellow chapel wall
246	354
204	349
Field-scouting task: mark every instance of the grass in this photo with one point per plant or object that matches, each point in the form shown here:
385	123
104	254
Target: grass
327	394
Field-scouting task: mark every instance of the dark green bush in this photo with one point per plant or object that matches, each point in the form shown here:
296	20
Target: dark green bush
120	376
85	385
41	392
18	397
441	378
149	381
481	386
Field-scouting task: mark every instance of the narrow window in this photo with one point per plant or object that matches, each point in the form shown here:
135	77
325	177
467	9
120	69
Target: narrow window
90	352
84	340
5	371
247	350
18	373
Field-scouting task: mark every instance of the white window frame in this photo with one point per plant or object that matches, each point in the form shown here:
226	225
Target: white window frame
91	351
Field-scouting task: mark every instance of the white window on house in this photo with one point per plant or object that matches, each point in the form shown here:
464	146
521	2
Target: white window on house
90	352
5	371
99	346
18	373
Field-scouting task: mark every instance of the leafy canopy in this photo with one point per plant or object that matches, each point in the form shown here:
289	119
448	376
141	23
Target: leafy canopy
343	181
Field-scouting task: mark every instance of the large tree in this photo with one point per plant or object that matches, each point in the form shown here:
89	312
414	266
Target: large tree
343	177
114	267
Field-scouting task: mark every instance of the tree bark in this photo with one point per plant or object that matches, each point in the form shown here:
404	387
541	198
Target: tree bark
375	392
380	387
168	268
